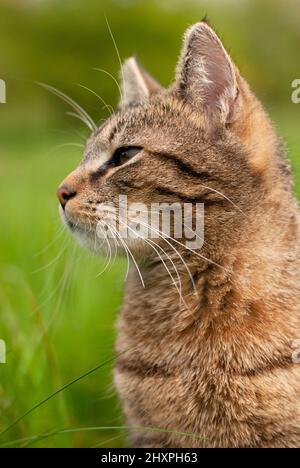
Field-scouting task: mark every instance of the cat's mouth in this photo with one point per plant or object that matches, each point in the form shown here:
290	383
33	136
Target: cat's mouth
86	233
75	226
70	224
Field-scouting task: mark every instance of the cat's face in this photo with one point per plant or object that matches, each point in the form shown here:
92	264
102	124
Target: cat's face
180	145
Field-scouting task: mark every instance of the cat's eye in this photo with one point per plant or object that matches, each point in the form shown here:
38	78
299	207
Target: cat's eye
123	154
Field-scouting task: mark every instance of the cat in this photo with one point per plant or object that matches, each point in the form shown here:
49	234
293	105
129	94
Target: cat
213	367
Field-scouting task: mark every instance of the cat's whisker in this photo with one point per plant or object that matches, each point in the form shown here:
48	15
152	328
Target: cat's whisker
135	263
97	246
86	118
64	145
172	247
60	283
160	233
113	78
150	212
60	232
183	245
183	262
63	286
115	244
108	257
201	239
89	218
225	197
119	59
178	288
54	260
74	132
107	106
76	116
126	251
90	224
199	255
106	261
122	243
172	263
150	243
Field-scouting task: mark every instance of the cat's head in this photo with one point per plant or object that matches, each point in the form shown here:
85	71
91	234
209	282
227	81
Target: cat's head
205	139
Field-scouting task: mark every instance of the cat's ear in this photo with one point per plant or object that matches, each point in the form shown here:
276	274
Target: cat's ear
137	84
206	75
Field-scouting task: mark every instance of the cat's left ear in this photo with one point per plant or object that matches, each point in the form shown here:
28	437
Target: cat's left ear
206	75
137	84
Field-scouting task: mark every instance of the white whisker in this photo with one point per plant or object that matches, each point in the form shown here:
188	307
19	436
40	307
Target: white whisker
60	232
118	54
160	233
113	78
64	145
108	258
77	116
107	106
54	260
134	261
84	115
225	197
126	251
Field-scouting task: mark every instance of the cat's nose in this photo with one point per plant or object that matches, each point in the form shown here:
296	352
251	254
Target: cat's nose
65	193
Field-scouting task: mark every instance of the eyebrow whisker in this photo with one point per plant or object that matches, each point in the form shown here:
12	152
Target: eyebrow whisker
85	117
107	106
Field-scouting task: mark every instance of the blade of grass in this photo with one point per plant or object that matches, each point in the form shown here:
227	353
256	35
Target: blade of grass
64	387
37	438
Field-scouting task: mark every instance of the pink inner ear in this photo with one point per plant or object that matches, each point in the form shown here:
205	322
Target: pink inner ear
153	86
207	73
232	107
137	84
217	79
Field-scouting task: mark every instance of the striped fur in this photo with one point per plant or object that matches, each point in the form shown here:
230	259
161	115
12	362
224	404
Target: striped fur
220	365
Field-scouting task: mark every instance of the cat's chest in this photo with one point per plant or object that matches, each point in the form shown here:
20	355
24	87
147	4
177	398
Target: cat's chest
167	389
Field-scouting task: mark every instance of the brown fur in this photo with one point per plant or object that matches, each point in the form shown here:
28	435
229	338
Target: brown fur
219	367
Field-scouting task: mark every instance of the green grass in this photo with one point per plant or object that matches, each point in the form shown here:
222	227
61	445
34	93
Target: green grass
57	316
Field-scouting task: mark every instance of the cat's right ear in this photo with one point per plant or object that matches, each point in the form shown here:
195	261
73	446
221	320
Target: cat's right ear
137	85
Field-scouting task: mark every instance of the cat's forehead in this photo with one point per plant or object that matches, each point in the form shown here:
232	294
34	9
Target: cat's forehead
161	118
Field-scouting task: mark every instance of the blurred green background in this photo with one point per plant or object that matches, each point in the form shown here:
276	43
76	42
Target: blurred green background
57	313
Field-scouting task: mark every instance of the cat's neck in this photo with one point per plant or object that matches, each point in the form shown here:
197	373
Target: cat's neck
246	277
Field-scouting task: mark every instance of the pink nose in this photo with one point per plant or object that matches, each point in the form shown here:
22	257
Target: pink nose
65	193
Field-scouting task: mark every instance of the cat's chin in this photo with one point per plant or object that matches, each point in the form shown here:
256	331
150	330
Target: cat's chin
111	247
83	235
90	239
101	245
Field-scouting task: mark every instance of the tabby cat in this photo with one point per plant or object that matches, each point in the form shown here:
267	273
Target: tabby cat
213	368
